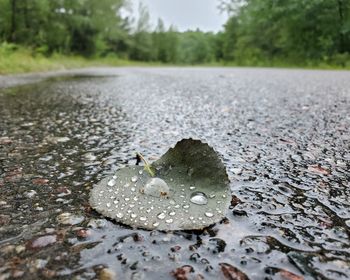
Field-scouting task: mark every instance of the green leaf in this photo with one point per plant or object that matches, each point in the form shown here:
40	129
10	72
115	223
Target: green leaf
190	190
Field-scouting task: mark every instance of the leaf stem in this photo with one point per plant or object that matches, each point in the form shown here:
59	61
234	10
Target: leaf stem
148	167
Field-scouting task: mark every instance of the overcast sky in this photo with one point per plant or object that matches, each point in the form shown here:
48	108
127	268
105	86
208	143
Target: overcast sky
185	14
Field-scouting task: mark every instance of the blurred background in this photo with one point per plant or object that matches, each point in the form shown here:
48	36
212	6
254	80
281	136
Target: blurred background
49	34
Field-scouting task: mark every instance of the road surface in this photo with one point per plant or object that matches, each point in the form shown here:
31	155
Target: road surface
282	134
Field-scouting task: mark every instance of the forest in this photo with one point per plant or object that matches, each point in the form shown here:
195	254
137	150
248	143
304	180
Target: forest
307	33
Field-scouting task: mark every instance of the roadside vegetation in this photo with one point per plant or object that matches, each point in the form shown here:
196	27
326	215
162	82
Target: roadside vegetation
16	59
40	35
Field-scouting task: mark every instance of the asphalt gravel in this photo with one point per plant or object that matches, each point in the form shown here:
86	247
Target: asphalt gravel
282	134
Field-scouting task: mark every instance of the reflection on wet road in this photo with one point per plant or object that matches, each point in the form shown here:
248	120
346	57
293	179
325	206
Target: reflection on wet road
283	135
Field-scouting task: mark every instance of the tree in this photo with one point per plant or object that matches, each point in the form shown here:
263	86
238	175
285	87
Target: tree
195	47
141	48
165	43
294	30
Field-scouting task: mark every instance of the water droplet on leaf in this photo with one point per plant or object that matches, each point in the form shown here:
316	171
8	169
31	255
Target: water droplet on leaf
199	198
156	187
120	215
161	216
134	179
111	183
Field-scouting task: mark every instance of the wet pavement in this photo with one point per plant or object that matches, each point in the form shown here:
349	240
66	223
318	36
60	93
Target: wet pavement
283	135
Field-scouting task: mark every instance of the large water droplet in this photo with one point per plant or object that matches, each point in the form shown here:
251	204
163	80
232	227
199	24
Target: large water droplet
156	187
199	198
155	224
208	214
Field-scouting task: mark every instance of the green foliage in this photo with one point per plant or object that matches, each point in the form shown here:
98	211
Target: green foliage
164	44
17	59
258	32
294	31
61	25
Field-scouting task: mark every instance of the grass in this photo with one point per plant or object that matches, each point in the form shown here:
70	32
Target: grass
15	59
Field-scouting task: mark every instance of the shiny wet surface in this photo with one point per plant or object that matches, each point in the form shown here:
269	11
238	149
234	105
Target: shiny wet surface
283	135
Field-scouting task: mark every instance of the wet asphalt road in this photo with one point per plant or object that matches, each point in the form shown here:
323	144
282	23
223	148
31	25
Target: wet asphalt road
283	135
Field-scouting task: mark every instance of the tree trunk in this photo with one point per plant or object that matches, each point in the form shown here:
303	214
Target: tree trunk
13	20
26	17
341	24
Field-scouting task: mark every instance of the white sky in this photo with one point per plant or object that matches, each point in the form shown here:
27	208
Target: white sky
185	14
